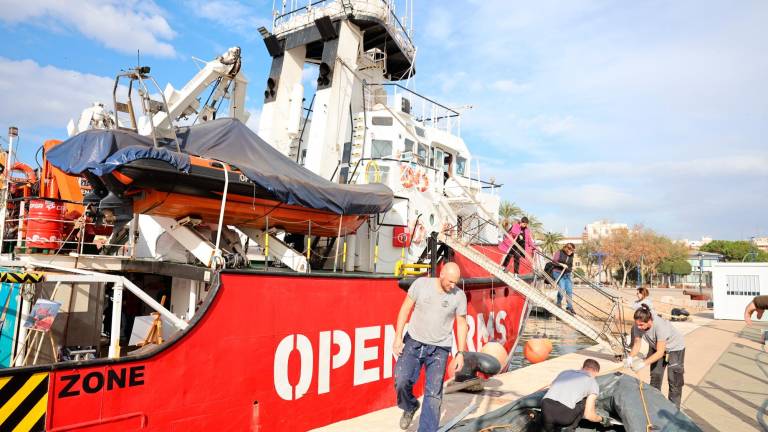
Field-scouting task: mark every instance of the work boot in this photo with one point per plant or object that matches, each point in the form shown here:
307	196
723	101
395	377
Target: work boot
407	417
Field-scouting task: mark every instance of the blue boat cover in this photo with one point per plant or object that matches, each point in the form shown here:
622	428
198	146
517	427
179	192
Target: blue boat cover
227	140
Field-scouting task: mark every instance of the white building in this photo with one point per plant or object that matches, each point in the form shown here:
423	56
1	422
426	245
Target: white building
734	285
695	244
761	243
602	228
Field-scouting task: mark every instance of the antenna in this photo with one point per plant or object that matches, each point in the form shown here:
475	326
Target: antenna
138	57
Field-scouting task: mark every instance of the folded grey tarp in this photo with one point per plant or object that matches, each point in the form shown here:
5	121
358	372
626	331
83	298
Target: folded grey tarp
619	397
226	140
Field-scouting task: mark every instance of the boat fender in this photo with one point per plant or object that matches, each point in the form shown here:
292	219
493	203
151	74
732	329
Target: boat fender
475	362
537	350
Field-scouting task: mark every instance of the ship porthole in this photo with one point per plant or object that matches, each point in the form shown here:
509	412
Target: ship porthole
432	219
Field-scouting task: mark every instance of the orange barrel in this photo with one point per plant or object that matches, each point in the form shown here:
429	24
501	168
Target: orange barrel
44	227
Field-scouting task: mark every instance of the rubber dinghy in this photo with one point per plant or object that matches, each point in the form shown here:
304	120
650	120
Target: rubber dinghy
620	397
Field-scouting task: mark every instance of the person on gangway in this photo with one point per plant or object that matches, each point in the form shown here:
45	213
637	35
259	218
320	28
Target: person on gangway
517	240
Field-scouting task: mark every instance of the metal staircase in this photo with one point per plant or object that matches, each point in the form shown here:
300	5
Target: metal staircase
534	295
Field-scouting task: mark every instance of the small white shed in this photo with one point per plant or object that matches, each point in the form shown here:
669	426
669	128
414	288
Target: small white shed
734	285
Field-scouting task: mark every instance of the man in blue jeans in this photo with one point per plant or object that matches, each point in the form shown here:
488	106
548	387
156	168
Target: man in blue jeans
428	343
563	260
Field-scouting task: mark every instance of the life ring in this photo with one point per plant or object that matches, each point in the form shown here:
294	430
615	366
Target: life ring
423	183
406	176
372	165
419	233
29	173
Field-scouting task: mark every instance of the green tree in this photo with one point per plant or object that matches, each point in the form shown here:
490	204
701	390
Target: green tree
551	242
736	250
509	213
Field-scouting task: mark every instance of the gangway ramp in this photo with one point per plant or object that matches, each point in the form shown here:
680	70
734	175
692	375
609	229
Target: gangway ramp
534	295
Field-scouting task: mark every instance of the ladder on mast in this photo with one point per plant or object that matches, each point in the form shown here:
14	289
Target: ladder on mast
532	294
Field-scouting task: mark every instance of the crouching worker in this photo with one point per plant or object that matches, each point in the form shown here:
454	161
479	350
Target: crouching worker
666	347
571	397
428	343
757	306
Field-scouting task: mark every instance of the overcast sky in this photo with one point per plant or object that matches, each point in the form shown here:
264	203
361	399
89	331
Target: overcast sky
639	112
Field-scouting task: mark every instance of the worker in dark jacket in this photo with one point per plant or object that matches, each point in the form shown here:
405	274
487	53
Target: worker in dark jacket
758	304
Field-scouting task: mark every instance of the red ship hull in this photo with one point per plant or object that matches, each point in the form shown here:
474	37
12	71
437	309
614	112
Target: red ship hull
269	352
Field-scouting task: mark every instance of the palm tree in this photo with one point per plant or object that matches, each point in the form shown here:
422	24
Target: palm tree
509	212
551	242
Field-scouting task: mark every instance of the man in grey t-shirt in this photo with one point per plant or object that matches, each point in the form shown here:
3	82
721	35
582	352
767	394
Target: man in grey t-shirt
435	302
571	397
666	347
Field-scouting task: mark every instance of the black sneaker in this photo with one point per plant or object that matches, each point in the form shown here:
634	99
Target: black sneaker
407	417
571	311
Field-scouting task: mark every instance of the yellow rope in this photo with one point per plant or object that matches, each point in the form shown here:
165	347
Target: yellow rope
648	424
490	428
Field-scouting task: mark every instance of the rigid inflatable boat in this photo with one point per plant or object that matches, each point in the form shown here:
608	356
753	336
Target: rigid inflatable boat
632	404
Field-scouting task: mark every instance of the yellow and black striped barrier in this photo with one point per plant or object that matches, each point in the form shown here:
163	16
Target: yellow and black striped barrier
21	277
23	400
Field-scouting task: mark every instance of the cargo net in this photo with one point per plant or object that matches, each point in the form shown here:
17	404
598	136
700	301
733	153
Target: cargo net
597	304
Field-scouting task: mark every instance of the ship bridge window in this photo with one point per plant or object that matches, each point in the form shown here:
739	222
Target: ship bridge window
381	148
419	131
381	121
423	153
461	165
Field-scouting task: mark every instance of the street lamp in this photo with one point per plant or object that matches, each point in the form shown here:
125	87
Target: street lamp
754	254
701	269
599	256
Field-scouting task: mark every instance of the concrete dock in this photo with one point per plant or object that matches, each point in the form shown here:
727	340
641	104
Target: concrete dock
726	374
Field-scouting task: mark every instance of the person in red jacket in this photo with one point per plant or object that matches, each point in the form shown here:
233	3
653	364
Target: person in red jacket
517	240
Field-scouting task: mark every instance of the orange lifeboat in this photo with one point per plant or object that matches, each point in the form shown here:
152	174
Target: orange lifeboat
264	189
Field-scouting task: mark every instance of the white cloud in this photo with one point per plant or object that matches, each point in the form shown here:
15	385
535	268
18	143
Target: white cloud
509	86
255	119
605	103
46	96
124	26
231	14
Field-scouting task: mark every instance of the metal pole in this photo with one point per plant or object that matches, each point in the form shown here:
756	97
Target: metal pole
132	234
701	270
338	240
117	309
13	135
22	215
